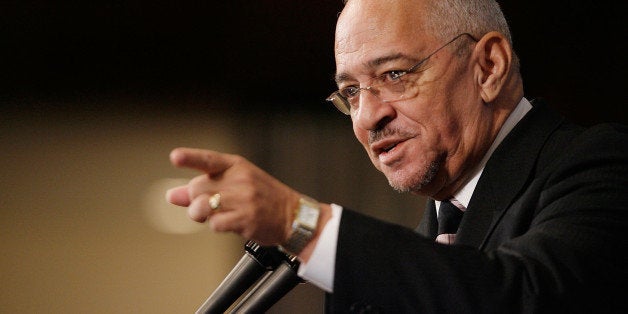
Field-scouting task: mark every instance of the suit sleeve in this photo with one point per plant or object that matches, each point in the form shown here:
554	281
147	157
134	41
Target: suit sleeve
565	257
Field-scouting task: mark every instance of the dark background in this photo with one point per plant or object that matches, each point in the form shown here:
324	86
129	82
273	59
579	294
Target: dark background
96	94
162	56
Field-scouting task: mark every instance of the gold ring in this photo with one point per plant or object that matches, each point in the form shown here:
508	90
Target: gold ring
214	201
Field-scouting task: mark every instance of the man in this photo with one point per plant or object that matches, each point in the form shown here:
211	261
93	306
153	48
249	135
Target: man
436	99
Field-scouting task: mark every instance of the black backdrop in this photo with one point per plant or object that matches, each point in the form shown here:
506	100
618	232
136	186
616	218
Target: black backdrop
269	55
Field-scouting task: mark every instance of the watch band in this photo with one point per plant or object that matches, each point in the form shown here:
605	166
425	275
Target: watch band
303	226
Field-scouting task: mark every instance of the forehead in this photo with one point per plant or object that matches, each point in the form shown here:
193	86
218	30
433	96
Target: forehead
372	29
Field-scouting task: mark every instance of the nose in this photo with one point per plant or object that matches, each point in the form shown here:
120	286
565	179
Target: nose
372	113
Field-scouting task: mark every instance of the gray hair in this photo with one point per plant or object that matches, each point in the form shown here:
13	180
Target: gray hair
446	19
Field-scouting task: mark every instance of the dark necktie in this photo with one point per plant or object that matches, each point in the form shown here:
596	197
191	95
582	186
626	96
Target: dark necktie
449	217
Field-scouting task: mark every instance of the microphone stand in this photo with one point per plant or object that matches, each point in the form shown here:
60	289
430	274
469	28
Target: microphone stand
257	261
271	288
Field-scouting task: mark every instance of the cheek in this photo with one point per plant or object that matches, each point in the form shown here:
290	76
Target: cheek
361	135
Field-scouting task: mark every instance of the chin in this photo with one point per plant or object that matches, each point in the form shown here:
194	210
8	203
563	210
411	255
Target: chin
404	181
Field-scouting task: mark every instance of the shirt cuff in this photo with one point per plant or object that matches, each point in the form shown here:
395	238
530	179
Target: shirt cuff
319	270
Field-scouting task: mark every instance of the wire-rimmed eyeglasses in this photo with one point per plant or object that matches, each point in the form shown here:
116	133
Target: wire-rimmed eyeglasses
390	86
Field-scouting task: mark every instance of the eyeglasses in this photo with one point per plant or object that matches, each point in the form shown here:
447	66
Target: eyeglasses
391	86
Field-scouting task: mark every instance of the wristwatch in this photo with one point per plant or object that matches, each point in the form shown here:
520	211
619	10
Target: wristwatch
303	226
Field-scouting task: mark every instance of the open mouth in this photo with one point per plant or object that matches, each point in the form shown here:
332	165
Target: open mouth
389	148
386	147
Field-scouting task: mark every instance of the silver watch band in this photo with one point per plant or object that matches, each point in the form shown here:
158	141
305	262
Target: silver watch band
303	226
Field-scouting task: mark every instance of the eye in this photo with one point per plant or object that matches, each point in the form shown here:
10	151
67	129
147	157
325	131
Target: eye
393	75
350	91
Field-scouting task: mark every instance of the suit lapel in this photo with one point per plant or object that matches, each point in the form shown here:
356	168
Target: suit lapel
428	226
505	174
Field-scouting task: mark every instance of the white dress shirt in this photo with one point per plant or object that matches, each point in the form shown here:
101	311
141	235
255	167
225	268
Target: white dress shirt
319	270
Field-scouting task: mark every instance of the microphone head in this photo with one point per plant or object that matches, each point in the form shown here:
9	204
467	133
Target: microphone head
268	256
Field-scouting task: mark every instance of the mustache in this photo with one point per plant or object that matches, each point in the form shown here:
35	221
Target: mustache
376	135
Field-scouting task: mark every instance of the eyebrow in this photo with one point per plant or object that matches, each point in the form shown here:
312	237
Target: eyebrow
372	64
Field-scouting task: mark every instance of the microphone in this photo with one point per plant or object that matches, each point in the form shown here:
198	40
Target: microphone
271	288
255	262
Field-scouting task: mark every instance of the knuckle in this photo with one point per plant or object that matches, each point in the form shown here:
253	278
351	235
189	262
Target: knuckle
247	233
197	215
238	160
198	180
249	196
244	176
217	225
197	186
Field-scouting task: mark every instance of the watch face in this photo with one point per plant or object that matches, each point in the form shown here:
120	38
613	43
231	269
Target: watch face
308	215
303	226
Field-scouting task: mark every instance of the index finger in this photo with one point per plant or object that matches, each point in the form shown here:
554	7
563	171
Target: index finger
210	162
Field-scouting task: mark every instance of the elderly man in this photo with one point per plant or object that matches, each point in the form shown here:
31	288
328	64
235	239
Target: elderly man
534	206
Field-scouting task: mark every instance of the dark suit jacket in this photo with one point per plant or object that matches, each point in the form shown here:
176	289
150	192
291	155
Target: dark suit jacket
543	232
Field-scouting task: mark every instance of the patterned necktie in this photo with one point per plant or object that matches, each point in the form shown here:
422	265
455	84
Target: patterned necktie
449	217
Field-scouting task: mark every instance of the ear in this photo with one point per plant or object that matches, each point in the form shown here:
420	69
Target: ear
494	56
